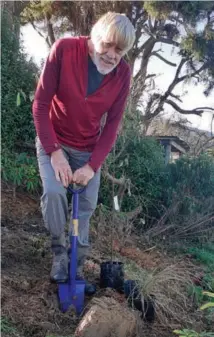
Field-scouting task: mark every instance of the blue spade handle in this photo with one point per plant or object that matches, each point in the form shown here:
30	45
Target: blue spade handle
73	239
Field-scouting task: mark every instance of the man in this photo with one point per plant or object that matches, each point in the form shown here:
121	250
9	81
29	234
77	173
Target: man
83	78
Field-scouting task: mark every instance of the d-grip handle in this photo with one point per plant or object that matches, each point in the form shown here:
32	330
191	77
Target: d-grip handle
76	188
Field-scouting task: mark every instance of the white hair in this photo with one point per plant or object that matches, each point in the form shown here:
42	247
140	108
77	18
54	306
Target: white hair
115	28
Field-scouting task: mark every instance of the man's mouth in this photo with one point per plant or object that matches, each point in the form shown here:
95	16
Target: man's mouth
107	62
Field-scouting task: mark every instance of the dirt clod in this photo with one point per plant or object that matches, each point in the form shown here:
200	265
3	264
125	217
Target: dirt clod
107	318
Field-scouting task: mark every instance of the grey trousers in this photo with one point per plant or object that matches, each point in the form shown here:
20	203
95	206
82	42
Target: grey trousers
54	204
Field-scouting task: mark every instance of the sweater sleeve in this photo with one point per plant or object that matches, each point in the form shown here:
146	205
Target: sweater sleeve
109	134
46	89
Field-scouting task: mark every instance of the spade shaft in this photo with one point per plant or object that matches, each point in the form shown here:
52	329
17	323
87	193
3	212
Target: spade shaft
72	292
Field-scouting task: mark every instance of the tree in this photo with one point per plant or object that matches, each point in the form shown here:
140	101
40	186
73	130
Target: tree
14	9
157	24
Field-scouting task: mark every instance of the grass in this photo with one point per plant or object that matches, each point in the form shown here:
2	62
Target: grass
8	328
204	255
197	293
192	333
167	286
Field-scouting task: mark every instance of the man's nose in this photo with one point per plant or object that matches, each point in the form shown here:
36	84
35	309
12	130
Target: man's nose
111	53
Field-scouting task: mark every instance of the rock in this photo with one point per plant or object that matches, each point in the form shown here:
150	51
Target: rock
107	318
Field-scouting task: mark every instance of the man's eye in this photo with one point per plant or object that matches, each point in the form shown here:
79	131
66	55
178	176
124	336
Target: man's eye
119	50
107	44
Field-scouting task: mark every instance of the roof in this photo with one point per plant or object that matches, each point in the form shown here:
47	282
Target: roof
175	139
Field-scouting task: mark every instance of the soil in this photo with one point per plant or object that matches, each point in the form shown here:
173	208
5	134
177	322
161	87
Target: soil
29	300
102	311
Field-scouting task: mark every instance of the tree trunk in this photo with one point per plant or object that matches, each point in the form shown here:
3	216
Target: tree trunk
140	78
51	37
14	9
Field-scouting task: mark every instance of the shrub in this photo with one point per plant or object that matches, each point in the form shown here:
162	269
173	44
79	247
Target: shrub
18	81
21	170
191	179
142	164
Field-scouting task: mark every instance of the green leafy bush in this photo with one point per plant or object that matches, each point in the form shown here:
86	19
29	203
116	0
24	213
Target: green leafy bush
190	180
18	82
204	255
21	170
187	202
142	163
191	176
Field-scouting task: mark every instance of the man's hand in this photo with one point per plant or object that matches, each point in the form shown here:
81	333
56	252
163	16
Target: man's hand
83	175
61	167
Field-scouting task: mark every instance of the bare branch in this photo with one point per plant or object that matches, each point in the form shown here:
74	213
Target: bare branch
144	61
147	30
38	31
162	98
183	61
176	79
49	25
138	26
176	97
144	46
150	76
206	145
168	41
48	42
133	214
150	24
163	59
120	181
197	111
203	67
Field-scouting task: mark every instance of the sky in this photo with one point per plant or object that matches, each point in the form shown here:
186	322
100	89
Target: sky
35	46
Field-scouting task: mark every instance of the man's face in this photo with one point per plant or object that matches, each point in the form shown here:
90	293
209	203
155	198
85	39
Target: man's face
107	56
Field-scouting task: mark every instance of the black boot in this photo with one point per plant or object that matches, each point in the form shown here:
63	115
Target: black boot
59	270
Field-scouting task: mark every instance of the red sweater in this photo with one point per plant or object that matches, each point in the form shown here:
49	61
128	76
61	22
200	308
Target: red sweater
62	111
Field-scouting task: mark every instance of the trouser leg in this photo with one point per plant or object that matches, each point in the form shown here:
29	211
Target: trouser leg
54	204
54	207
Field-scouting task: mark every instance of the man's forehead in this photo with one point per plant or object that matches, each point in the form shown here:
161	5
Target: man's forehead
111	42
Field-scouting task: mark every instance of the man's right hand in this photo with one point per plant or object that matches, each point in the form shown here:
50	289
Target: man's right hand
61	167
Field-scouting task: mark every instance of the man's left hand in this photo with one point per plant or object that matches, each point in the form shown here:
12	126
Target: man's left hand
83	175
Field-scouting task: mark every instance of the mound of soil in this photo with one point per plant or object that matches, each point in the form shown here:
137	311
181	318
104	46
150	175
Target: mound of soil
107	318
